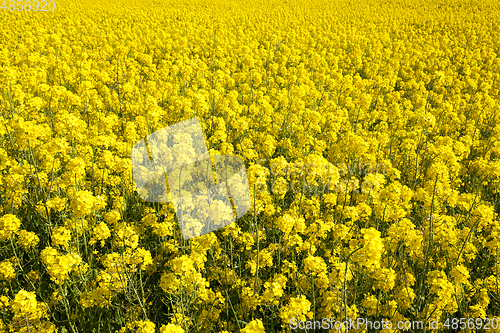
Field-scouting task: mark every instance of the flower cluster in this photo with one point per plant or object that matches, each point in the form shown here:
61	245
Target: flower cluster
370	136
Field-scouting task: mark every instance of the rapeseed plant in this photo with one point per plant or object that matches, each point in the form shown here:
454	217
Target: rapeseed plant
369	132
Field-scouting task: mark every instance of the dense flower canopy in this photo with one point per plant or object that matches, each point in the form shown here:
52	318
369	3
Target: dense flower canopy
370	135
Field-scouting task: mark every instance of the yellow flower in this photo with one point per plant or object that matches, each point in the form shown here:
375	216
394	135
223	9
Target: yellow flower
255	326
112	217
24	302
7	271
143	326
460	274
287	223
372	249
4	302
315	265
182	265
59	267
82	203
61	237
126	236
100	232
27	239
9	225
297	308
370	303
171	328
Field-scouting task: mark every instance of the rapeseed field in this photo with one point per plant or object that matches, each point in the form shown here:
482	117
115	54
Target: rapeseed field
371	139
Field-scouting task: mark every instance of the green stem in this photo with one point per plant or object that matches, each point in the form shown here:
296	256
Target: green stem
133	288
344	290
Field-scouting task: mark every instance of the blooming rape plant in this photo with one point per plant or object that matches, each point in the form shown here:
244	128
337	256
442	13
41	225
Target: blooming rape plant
201	205
367	133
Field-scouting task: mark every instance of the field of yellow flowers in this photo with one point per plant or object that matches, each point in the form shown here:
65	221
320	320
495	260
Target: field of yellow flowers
370	134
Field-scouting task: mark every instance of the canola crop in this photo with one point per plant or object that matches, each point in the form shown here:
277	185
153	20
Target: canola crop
370	134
